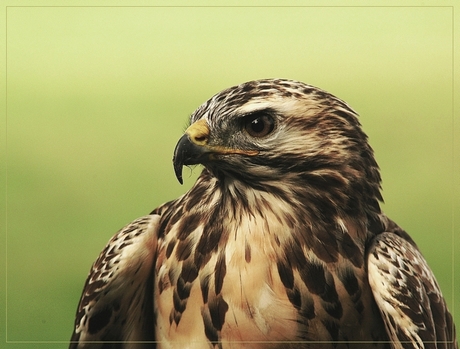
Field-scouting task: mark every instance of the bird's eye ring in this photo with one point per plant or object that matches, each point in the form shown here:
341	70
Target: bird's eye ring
259	124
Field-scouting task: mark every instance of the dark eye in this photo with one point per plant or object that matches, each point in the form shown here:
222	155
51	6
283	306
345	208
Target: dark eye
259	125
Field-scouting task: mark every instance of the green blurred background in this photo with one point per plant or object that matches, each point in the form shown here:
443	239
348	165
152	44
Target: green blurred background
98	96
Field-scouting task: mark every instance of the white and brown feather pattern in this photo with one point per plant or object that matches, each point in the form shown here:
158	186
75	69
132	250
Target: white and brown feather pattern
280	243
408	295
115	304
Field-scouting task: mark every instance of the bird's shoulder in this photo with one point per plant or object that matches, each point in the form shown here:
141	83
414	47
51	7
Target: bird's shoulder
115	289
406	291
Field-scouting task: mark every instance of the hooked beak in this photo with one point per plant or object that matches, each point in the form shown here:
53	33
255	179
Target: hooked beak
193	148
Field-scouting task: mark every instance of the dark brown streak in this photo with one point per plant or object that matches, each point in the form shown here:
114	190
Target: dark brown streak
219	272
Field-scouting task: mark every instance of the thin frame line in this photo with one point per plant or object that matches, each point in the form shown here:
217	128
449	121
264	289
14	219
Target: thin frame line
223	6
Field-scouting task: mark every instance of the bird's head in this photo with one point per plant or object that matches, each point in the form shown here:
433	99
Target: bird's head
281	133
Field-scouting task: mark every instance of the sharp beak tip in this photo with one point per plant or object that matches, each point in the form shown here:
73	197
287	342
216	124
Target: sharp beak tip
179	178
178	170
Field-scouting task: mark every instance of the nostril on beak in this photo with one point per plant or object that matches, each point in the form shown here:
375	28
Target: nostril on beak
198	132
200	139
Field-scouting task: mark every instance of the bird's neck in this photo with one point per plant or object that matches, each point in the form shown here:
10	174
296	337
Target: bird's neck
294	199
279	215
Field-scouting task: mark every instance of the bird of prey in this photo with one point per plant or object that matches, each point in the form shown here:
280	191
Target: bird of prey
280	243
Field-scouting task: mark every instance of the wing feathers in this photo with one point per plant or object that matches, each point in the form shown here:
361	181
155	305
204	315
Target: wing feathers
409	298
116	303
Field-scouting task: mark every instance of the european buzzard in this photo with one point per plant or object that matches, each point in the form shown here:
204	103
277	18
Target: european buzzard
281	242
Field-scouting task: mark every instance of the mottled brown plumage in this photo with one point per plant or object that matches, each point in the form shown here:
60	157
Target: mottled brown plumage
280	243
